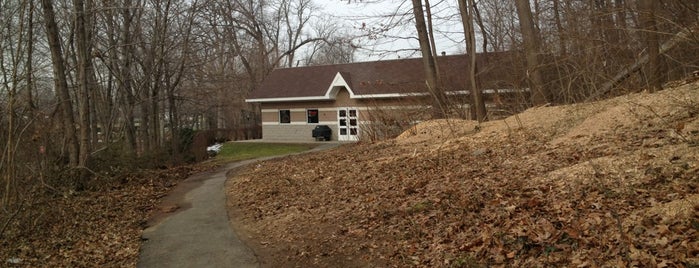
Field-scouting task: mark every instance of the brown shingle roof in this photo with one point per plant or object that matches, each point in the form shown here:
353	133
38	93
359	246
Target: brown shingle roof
387	77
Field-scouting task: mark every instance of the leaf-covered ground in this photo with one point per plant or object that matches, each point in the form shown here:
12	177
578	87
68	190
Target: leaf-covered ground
606	184
98	227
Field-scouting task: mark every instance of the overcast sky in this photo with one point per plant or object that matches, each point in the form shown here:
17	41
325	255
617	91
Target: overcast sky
401	42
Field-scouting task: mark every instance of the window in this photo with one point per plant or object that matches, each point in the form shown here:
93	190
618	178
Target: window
284	116
312	115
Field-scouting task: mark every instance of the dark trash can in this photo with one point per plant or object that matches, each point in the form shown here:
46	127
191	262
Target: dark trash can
322	132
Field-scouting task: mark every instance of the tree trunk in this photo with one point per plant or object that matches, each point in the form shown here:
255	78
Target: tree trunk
433	47
155	118
83	66
531	49
559	28
127	97
174	126
650	38
8	165
30	58
466	10
481	26
106	104
60	82
438	107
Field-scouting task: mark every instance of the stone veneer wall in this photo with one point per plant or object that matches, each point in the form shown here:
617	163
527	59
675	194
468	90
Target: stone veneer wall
292	133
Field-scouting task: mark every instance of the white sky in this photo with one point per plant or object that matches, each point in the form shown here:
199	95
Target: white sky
402	40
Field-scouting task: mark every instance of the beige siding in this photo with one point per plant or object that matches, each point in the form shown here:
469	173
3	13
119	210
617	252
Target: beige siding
343	99
270	116
327	116
298	116
300	131
270	113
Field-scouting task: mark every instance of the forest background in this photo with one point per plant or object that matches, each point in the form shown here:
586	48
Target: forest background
92	90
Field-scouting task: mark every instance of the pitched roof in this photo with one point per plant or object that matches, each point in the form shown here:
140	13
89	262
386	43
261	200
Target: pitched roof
388	78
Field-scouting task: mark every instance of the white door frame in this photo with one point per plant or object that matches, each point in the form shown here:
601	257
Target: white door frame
348	124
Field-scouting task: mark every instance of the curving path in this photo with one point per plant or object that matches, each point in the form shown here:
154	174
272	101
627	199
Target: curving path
199	234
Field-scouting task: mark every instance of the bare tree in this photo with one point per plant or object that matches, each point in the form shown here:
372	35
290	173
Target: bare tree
60	82
255	37
531	46
627	71
428	61
647	10
295	15
336	51
83	43
467	9
499	22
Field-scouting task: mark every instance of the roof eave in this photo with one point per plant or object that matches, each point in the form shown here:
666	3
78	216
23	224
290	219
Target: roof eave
329	98
389	95
291	99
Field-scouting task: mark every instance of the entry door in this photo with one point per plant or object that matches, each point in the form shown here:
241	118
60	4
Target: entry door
348	124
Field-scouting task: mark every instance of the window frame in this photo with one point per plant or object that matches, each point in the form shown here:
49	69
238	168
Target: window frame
308	116
281	116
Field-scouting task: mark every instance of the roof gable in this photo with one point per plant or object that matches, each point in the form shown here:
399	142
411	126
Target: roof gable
339	81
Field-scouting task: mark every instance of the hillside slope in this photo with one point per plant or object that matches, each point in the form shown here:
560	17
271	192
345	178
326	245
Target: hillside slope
610	183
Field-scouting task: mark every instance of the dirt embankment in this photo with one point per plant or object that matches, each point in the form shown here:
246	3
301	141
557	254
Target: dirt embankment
610	183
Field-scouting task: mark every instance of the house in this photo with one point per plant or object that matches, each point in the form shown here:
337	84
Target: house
293	101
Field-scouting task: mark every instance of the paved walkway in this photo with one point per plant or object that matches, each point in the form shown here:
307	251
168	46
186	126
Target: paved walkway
199	234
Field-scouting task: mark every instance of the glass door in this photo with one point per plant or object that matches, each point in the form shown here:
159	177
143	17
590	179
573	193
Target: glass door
348	124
